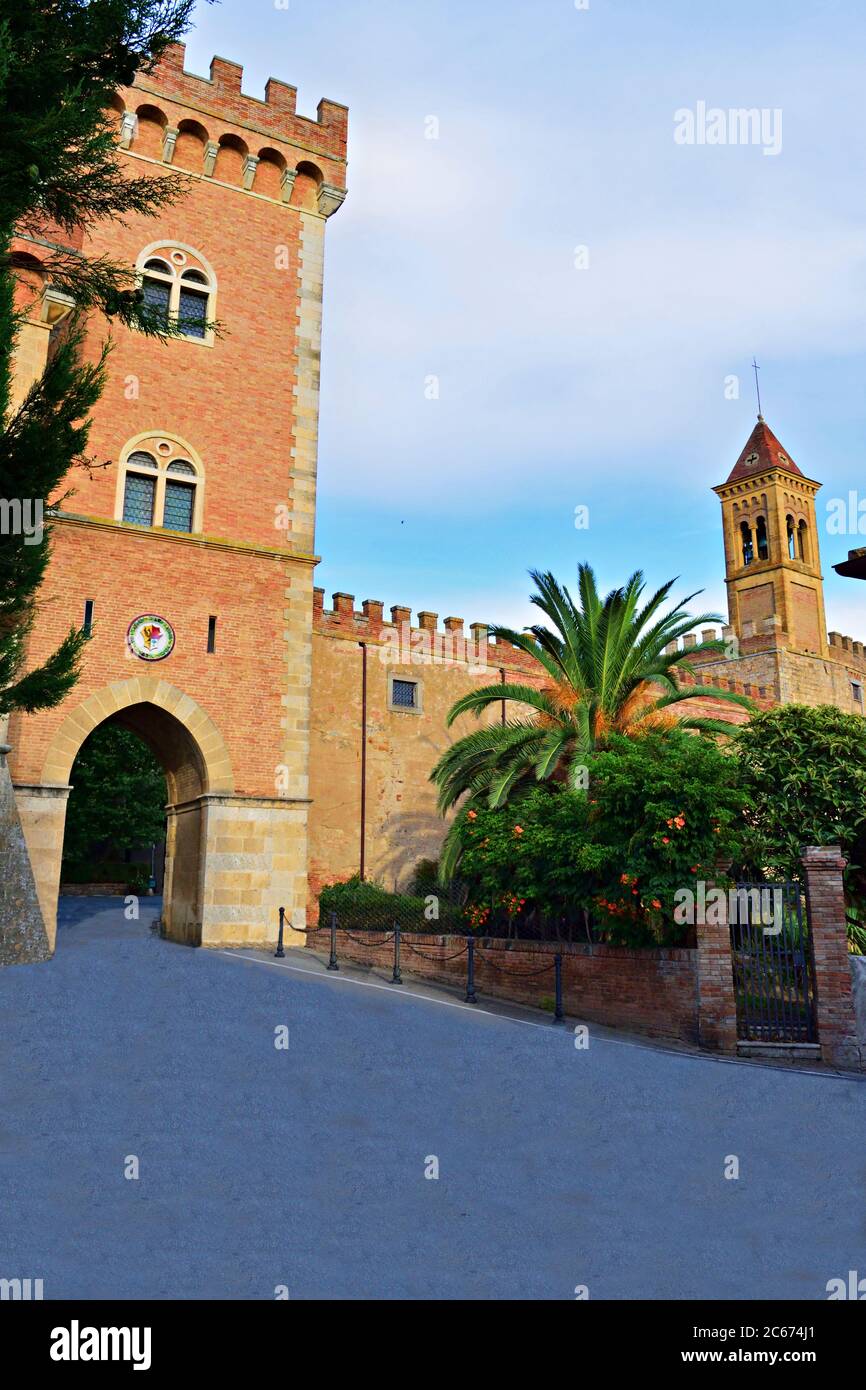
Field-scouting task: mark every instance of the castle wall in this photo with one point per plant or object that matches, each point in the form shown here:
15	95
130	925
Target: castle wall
401	823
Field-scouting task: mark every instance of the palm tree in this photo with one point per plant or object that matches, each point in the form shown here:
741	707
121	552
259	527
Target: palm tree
604	671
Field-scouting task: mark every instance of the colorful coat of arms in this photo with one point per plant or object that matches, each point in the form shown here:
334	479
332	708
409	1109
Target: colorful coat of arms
150	637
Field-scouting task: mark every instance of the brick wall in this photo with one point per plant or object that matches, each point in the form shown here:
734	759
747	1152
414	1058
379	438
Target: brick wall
257	185
717	1004
652	991
834	994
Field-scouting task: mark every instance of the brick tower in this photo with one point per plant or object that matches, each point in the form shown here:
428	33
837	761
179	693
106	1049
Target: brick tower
778	646
191	553
772	558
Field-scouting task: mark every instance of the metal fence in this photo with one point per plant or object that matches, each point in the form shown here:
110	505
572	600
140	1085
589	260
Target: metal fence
455	911
402	944
771	950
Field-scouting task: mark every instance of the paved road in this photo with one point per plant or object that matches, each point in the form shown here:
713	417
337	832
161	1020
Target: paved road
305	1168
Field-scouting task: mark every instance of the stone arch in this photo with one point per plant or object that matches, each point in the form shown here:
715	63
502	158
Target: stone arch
195	761
112	700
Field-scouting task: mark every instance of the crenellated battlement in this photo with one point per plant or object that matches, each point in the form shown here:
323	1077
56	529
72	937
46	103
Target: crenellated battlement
452	642
846	649
220	96
761	694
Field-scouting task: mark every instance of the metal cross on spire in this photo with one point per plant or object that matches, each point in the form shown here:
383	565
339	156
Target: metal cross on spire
757	388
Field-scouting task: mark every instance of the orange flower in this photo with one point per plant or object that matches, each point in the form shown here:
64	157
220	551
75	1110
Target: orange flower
518	829
665	840
656	903
472	815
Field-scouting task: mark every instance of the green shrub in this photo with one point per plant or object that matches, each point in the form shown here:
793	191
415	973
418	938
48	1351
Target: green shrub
365	906
805	771
660	810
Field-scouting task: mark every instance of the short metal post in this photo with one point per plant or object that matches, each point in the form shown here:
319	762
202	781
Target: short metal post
471	996
279	952
558	1015
332	963
397	978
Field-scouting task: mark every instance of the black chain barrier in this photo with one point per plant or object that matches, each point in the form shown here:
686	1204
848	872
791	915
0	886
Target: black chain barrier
468	950
422	954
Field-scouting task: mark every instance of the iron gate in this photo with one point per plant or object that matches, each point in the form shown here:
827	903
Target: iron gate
771	951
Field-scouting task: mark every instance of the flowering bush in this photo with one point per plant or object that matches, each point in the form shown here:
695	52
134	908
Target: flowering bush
660	810
665	809
523	856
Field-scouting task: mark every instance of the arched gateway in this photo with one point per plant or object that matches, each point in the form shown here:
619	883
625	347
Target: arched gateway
196	764
225	852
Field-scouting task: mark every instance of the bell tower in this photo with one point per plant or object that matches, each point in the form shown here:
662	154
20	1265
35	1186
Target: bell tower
772	557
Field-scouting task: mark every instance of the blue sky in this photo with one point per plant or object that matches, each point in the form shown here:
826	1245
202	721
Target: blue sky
558	387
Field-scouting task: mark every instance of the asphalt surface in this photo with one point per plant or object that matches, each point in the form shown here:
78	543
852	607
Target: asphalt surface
304	1167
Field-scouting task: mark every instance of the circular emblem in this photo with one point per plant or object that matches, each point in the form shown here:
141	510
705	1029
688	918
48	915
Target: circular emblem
150	637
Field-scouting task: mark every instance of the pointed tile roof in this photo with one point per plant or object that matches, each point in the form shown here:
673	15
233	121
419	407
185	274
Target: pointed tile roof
762	451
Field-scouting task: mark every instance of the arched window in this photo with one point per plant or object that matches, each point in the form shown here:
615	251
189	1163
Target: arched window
792	543
748	547
803	542
139	494
161	484
192	303
761	537
179	289
156	283
179	496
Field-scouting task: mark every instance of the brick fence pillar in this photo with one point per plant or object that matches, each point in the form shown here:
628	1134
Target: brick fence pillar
834	992
717	1004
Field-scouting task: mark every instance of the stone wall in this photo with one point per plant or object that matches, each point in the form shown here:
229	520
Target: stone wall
401	822
23	938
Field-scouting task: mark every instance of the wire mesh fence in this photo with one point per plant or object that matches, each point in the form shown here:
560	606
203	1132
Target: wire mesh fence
453	910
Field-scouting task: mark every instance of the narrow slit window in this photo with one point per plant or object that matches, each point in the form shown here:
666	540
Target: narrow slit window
87	625
748	545
211	634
